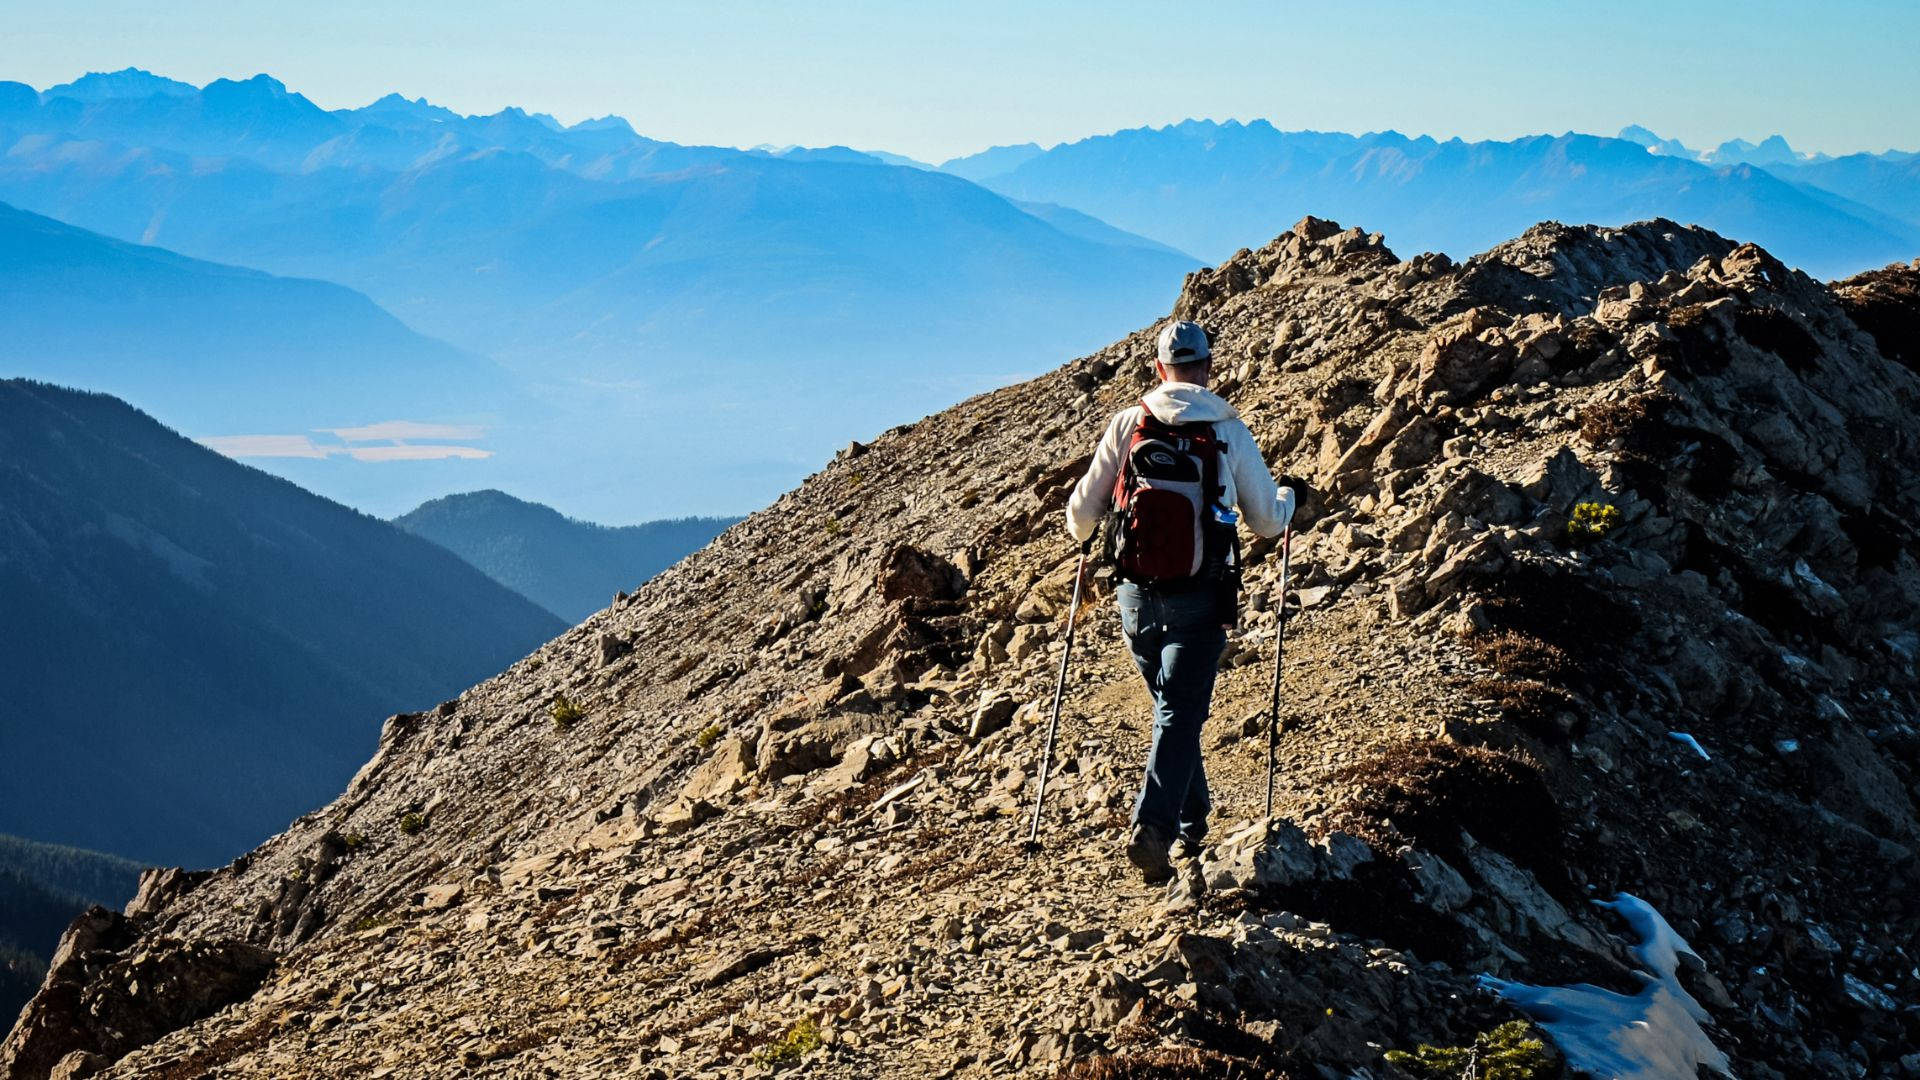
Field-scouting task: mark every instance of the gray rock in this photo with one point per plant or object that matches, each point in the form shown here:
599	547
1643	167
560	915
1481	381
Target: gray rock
1436	884
1340	854
1259	856
995	710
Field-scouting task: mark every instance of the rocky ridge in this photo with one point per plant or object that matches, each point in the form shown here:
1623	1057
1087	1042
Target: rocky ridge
1568	501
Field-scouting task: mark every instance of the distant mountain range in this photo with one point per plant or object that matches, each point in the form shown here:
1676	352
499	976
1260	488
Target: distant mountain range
793	300
1211	188
42	887
196	652
571	568
512	235
1772	150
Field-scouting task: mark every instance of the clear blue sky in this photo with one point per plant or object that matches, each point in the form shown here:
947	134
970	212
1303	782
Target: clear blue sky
938	80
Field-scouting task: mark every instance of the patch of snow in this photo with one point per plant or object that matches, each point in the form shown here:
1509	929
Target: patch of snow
1652	1035
1688	740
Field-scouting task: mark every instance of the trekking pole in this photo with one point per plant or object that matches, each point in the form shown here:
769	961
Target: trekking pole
1059	691
1279	653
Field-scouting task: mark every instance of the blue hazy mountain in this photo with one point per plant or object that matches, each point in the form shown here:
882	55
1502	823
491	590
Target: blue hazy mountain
1889	183
647	294
993	161
572	568
1210	188
196	652
1635	133
512	235
126	83
213	348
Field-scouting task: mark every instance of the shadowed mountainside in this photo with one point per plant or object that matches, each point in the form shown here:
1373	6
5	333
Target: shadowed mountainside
569	567
198	652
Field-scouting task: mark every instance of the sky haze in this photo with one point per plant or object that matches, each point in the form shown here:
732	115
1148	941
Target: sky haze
936	82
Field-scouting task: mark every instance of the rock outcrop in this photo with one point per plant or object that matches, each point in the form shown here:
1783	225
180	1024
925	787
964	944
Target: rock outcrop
1606	584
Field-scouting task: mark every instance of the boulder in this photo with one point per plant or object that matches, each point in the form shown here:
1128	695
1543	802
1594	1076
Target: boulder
995	710
613	648
160	887
685	815
77	1065
1050	596
103	998
438	897
727	768
907	572
1257	856
1435	884
1461	360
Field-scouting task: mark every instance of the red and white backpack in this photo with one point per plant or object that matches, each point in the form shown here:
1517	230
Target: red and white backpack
1164	502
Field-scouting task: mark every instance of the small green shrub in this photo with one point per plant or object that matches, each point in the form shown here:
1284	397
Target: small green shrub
354	841
801	1039
536	663
833	526
1505	1053
412	822
707	737
1592	520
564	711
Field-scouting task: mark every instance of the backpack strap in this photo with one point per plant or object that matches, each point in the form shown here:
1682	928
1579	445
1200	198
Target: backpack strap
1210	469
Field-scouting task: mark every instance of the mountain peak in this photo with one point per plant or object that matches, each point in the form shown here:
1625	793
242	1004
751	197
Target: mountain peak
1772	150
608	122
397	105
129	82
1636	133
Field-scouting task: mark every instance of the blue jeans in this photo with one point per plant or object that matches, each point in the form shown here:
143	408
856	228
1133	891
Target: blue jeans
1176	639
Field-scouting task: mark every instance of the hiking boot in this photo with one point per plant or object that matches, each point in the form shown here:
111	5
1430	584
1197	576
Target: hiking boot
1148	850
1184	848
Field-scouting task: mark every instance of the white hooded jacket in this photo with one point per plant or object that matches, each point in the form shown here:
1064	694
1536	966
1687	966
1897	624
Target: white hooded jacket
1264	505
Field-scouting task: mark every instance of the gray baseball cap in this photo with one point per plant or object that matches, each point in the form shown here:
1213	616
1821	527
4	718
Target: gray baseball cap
1183	343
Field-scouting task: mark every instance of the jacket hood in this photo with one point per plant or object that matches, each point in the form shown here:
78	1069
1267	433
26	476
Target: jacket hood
1185	403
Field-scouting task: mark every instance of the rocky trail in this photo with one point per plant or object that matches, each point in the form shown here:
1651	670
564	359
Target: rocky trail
1565	502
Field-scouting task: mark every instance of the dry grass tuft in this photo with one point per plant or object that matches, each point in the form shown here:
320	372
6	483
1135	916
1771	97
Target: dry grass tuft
1522	656
1530	703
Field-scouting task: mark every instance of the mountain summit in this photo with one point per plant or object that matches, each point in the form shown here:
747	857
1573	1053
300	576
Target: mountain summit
1604	585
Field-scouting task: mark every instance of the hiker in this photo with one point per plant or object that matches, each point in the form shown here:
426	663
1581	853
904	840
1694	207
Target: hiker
1170	470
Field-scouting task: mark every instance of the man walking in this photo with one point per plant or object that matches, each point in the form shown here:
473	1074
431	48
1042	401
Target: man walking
1172	468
